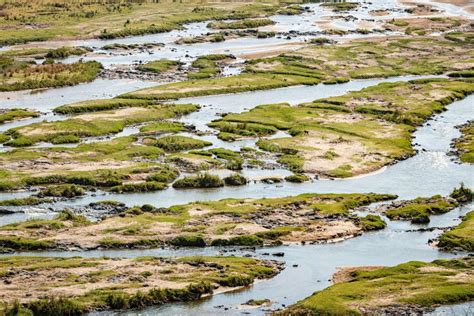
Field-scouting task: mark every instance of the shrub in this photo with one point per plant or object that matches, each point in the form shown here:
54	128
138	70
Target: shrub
235	179
372	222
63	190
139	187
188	241
462	194
245	240
297	178
204	180
178	143
56	307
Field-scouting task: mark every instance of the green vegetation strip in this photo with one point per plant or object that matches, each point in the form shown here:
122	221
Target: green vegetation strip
404	287
329	64
21	75
96	124
226	222
464	146
78	285
460	237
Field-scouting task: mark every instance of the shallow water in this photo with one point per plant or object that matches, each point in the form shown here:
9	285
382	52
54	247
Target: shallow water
46	100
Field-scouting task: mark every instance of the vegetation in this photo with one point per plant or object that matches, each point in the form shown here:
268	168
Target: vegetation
341	6
343	136
21	75
178	143
235	179
203	180
139	187
327	63
144	281
464	146
420	209
297	178
99	105
65	190
159	66
16	114
410	284
372	222
462	194
162	127
207	66
102	164
95	124
229	222
461	236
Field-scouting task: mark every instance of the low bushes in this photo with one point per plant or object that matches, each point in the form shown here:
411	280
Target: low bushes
372	222
245	240
235	180
188	241
64	190
139	187
297	178
204	180
179	143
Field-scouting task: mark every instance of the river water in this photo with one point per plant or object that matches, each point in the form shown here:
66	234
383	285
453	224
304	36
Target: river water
429	172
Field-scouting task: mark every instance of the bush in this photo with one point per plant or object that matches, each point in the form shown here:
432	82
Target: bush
462	194
64	190
188	241
297	178
204	180
179	143
236	280
372	222
56	307
65	139
245	240
139	187
235	179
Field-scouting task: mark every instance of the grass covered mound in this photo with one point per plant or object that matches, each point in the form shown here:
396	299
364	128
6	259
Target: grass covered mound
178	143
208	66
461	236
100	105
204	180
7	115
358	132
420	209
21	75
242	222
341	6
159	66
398	289
101	164
95	124
78	285
464	146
